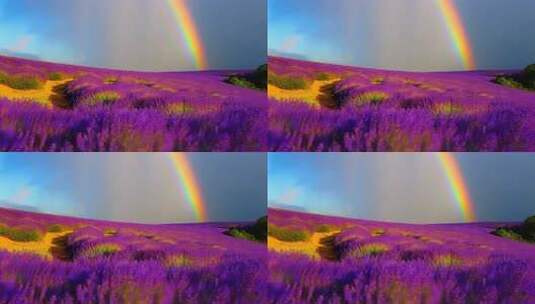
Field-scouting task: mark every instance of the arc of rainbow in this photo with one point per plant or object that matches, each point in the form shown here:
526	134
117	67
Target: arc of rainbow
457	32
189	184
457	184
189	31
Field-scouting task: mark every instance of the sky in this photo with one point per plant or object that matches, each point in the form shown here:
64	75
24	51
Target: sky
133	34
401	187
133	187
401	34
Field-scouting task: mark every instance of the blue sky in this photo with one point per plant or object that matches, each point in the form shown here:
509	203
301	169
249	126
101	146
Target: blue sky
402	187
133	187
401	34
133	34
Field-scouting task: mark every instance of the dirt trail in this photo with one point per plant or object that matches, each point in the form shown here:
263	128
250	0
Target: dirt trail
49	247
316	94
319	246
48	95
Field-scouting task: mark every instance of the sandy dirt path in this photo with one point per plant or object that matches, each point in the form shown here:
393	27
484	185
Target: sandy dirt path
313	95
45	95
318	246
47	247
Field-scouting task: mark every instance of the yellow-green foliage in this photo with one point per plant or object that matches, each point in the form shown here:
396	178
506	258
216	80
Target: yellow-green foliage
287	234
20	234
56	228
322	76
178	260
371	97
55	76
20	82
378	232
323	228
371	249
102	250
377	80
447	108
105	97
446	260
110	80
288	82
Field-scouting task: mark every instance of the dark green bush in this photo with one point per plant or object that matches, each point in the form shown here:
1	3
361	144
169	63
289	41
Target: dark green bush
241	82
522	80
288	82
254	232
288	235
56	228
55	76
508	82
19	234
20	82
254	80
241	234
528	228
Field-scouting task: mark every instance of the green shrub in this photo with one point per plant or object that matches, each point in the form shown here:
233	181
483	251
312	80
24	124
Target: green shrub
324	228
322	76
288	82
446	260
528	228
20	82
254	80
508	233
18	234
508	82
241	234
254	232
55	76
105	249
372	249
105	97
241	82
288	235
178	260
56	228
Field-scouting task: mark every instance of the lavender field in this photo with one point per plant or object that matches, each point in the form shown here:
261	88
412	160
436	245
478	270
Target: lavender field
55	259
322	107
322	259
53	107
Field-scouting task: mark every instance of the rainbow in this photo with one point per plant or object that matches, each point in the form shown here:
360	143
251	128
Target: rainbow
189	31
189	184
457	32
457	185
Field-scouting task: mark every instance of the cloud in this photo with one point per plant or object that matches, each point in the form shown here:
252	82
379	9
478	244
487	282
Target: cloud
290	43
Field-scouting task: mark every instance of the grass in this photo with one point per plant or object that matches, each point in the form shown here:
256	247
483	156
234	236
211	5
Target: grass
56	228
20	82
372	97
20	234
324	228
178	260
56	76
105	249
447	108
105	97
287	234
254	232
372	249
255	80
288	82
446	260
